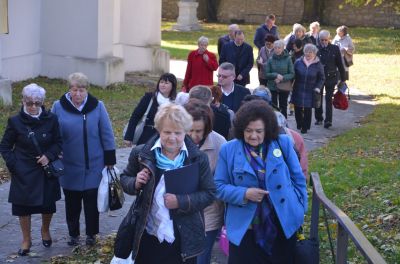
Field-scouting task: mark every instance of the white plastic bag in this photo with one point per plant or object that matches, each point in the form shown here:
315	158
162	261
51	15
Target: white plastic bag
102	194
128	260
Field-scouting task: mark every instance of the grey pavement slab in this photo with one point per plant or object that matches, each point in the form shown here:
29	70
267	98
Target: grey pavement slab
10	234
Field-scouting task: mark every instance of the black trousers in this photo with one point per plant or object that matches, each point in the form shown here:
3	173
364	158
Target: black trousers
303	117
280	99
151	251
249	252
73	208
329	89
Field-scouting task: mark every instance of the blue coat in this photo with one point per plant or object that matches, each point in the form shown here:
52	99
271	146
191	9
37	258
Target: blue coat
88	143
261	32
305	81
233	175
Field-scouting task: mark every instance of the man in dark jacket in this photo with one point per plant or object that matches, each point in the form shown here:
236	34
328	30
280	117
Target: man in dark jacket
228	37
268	28
232	94
240	54
330	58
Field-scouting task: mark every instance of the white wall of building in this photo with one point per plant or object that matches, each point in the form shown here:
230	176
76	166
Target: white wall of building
102	38
20	49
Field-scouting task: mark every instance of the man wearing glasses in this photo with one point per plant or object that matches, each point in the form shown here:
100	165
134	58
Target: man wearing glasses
232	93
330	57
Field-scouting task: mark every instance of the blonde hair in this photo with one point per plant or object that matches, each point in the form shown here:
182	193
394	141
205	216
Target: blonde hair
175	114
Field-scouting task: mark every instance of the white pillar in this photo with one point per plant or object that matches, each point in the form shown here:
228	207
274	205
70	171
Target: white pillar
187	19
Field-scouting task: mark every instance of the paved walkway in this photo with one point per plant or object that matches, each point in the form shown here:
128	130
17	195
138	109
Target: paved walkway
10	234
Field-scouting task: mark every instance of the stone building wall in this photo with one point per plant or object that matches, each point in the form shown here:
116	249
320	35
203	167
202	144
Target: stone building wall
368	16
291	11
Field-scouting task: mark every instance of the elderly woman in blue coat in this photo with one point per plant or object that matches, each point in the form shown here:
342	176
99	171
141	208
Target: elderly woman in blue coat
259	177
88	146
308	82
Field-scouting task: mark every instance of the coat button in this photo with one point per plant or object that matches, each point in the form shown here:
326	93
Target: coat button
282	200
275	171
278	186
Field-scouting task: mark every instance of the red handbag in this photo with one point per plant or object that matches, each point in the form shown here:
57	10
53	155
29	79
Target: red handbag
340	101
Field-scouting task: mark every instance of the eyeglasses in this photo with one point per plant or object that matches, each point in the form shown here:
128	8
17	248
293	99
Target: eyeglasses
223	76
324	40
30	104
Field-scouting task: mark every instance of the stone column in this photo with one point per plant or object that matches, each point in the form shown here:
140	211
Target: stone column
187	19
5	86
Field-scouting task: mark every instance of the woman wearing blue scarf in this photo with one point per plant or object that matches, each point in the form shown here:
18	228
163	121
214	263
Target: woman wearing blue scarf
157	238
259	177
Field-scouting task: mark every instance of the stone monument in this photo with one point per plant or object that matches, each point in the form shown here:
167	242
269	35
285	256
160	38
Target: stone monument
187	19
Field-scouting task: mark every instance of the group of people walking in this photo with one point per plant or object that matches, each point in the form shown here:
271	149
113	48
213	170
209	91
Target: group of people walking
250	168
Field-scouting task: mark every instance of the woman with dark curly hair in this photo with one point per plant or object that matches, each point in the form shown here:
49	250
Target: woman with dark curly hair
259	177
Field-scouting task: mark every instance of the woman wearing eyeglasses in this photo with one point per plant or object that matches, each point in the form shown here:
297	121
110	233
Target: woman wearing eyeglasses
31	191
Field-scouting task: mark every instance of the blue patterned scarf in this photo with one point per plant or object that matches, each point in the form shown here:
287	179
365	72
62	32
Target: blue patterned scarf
263	224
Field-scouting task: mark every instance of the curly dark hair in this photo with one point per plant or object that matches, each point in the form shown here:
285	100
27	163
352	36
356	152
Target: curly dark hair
253	111
201	111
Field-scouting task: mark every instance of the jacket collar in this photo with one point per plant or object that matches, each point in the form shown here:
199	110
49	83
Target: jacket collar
29	120
90	105
208	143
148	154
273	158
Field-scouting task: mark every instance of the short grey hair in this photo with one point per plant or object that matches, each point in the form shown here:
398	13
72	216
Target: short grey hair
310	48
202	39
79	79
175	114
280	43
324	34
34	91
299	28
233	27
227	66
201	92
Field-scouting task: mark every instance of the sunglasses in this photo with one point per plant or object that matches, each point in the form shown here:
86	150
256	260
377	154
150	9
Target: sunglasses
30	104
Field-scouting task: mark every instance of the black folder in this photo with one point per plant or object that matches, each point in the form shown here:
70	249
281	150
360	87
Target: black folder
183	180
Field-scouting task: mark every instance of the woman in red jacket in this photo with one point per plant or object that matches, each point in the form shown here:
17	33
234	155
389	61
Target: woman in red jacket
200	67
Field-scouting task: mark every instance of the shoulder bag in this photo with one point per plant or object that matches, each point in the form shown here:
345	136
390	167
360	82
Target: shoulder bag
55	168
285	86
140	125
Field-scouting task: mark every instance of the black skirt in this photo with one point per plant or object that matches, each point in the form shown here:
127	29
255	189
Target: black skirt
48	206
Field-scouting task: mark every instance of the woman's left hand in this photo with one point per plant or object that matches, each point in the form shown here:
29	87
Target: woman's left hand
170	201
43	160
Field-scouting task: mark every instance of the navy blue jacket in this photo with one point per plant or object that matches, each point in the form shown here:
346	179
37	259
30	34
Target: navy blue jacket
239	93
305	81
331	59
242	58
261	32
28	180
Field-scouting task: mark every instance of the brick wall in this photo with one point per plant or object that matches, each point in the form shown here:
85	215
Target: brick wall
291	11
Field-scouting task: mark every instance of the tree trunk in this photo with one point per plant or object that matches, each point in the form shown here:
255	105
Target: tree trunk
313	10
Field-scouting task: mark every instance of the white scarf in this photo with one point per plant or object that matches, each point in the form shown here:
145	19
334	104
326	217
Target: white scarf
34	116
161	99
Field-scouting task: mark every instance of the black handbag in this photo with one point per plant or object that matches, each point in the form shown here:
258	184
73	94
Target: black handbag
116	196
55	168
123	244
306	251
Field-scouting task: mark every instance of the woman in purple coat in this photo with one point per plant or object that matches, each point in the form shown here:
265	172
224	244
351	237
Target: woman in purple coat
309	78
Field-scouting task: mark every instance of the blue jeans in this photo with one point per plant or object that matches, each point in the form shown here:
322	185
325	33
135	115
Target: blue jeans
205	257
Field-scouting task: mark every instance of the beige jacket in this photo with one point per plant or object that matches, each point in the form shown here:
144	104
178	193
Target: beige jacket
214	214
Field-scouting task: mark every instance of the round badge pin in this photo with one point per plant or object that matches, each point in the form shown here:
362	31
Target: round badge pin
277	153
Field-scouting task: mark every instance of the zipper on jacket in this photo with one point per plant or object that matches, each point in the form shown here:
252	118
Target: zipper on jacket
85	142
